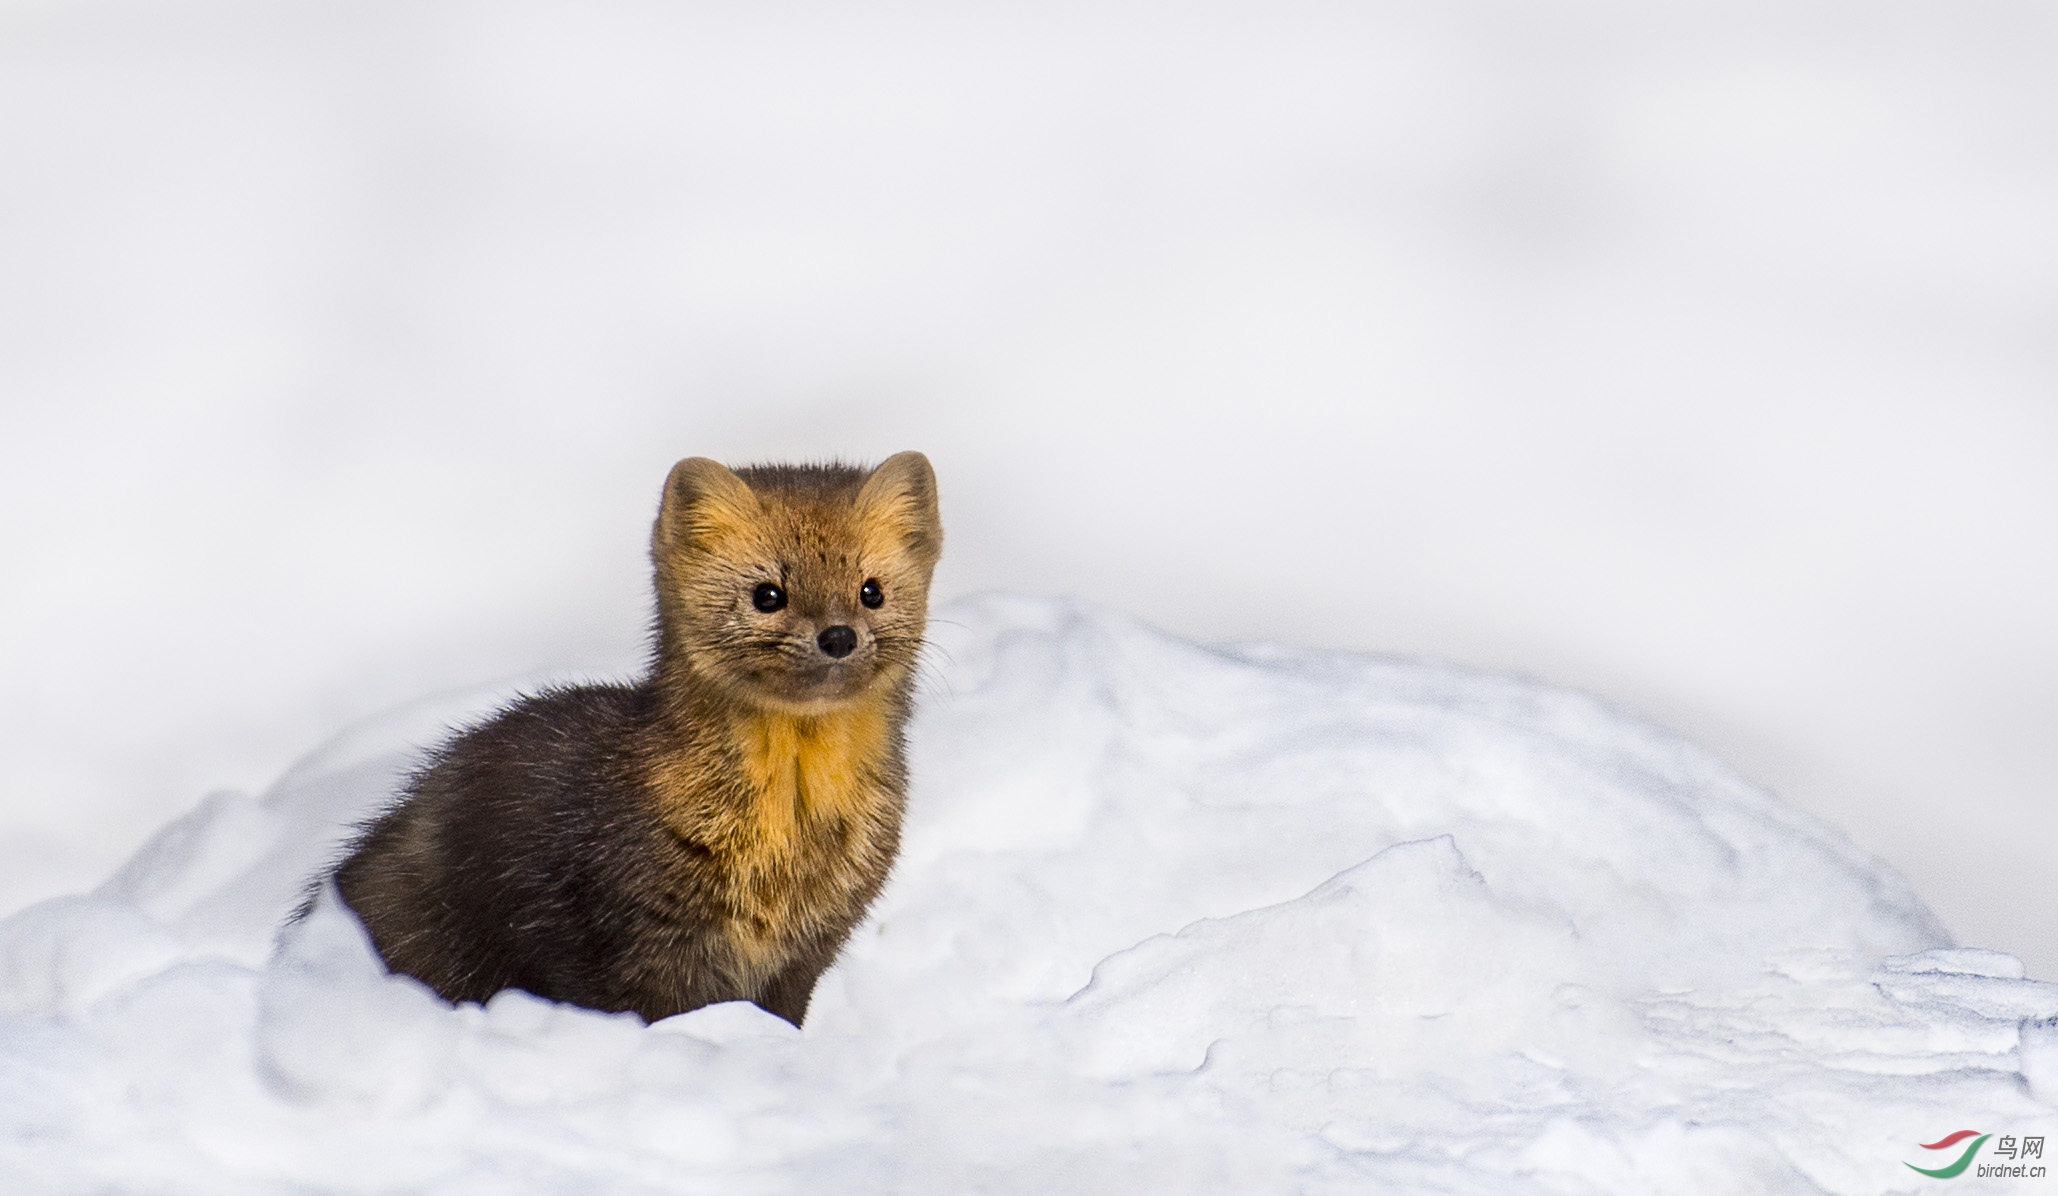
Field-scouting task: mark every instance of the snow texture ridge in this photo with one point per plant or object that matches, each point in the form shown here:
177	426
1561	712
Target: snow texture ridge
1166	918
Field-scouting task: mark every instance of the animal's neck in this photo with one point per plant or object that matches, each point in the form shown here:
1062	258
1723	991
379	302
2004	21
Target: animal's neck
752	782
811	767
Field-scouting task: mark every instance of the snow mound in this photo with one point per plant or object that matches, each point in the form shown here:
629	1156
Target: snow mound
1166	919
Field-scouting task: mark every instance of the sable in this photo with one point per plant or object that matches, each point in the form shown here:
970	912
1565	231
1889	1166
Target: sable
715	830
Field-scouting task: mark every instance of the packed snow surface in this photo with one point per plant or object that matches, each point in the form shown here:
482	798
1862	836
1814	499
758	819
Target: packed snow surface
1166	919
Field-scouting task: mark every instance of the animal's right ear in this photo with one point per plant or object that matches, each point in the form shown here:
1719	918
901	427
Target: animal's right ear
702	497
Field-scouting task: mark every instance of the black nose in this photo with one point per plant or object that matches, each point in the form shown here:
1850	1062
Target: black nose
837	641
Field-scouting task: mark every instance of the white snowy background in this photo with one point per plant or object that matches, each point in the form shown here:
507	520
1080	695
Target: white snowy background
1701	357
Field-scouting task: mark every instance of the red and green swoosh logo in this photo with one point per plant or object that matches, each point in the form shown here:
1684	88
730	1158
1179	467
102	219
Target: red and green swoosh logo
1945	1143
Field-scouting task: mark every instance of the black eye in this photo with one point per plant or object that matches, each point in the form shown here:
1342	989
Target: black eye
768	598
870	594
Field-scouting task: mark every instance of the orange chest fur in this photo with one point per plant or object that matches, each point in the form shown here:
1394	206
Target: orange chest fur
807	772
806	844
799	815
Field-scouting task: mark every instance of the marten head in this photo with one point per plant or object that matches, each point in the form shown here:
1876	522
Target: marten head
795	587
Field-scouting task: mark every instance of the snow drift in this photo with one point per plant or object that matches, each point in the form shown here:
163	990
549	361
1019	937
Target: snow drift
1166	918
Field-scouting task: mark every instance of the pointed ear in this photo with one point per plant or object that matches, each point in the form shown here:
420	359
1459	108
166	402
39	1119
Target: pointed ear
901	495
701	496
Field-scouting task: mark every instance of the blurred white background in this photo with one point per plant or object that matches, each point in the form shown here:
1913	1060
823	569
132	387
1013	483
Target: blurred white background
1702	356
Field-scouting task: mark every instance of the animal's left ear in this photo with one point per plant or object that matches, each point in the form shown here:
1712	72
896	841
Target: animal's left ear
902	494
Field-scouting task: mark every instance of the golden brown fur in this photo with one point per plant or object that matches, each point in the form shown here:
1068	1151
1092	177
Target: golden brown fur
716	830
